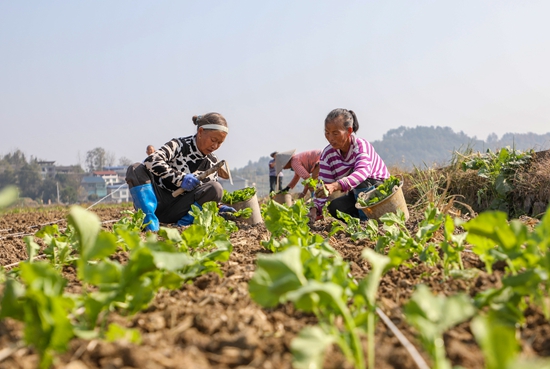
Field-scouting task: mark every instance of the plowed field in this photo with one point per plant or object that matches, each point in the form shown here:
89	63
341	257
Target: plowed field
213	323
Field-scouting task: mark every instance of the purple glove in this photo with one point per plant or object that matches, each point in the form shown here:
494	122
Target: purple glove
226	209
189	182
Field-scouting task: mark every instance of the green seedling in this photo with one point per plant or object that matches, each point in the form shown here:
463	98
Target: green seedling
236	196
432	316
281	277
497	340
352	226
39	303
243	213
381	192
368	288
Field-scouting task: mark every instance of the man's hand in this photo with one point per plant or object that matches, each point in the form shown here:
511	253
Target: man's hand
189	182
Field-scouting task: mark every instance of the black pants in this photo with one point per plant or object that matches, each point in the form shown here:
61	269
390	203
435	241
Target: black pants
346	203
273	183
171	209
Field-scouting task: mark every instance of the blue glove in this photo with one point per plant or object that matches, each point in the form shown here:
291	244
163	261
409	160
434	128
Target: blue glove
226	209
189	182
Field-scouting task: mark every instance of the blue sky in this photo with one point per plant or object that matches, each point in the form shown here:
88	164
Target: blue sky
120	75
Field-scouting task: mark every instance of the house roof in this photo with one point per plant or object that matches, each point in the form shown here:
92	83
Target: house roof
89	179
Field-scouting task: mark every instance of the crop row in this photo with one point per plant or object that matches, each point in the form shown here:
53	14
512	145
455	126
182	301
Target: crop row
303	269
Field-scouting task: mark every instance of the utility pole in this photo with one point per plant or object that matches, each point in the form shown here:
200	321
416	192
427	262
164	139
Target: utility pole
57	183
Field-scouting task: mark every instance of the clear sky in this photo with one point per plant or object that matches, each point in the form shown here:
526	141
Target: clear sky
75	75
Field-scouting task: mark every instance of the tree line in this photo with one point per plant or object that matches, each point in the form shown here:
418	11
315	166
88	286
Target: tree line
409	147
402	147
65	187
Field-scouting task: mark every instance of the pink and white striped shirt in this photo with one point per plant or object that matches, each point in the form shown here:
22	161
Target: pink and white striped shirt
361	163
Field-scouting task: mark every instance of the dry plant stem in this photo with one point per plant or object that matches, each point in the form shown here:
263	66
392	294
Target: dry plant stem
38	257
420	362
8	351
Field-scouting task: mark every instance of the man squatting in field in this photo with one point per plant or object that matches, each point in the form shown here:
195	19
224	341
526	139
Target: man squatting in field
348	164
174	166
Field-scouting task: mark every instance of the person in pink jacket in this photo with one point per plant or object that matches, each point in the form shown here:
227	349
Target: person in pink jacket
304	165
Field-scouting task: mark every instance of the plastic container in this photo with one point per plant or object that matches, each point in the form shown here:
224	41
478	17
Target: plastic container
256	216
283	198
389	205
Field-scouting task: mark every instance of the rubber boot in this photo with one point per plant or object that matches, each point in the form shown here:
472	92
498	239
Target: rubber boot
356	192
188	219
144	198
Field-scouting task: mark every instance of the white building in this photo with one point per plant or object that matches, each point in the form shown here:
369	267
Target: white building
109	176
119	192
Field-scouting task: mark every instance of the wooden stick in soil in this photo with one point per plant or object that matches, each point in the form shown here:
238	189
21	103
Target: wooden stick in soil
420	362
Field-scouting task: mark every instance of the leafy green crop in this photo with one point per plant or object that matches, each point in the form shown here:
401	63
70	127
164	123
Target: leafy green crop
499	169
243	213
236	196
35	295
39	303
381	192
353	227
433	315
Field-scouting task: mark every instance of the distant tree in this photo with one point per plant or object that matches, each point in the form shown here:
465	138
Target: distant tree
110	158
492	138
69	195
70	185
48	190
16	158
96	159
29	180
7	176
124	161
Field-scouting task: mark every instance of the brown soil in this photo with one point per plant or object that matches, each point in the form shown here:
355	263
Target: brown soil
213	323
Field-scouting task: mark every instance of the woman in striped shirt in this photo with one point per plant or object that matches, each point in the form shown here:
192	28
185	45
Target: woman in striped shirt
348	164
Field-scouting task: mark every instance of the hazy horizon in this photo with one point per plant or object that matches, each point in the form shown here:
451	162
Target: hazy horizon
122	75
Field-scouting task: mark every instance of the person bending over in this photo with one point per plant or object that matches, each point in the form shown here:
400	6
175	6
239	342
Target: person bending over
304	165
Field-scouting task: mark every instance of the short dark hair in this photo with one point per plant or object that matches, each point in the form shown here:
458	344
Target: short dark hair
349	117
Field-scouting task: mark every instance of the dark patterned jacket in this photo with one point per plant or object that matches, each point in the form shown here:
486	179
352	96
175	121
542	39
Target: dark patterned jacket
175	159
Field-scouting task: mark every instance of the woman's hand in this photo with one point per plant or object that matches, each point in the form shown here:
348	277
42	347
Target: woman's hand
327	190
334	186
